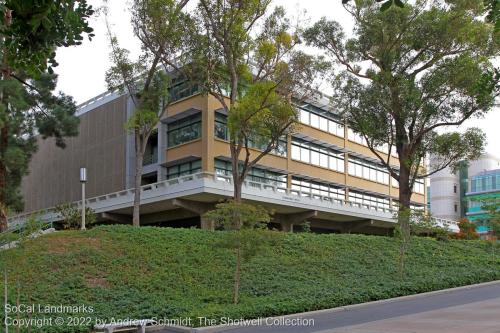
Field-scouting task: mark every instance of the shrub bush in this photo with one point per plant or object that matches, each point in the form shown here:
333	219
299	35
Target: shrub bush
126	272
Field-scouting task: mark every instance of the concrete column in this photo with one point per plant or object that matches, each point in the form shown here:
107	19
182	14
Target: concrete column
286	226
162	150
199	208
288	220
207	124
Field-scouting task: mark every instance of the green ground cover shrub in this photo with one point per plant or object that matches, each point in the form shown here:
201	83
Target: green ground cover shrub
125	272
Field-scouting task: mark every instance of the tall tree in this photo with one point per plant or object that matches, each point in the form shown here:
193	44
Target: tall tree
30	32
405	74
160	26
245	55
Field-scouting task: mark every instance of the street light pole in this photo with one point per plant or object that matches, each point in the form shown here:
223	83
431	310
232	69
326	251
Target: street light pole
83	180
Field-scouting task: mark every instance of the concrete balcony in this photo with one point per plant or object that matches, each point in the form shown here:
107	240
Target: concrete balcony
158	203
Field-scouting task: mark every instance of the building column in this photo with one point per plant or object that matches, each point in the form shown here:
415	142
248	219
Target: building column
208	134
162	150
288	220
199	208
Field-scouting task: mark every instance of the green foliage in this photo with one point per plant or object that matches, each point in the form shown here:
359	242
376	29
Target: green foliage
246	233
492	208
251	216
32	30
467	230
72	216
38	27
161	27
422	224
247	52
407	75
181	273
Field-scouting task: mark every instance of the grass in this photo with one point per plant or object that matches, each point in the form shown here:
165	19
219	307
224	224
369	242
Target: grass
123	272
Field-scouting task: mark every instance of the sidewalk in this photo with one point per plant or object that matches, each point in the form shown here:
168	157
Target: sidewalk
478	317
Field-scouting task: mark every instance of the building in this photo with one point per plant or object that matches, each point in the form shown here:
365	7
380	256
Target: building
483	187
324	174
450	191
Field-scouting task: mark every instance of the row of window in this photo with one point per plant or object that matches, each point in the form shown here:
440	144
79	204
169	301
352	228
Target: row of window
368	170
317	188
224	168
358	138
314	154
418	186
321	121
183	169
184	130
485	183
369	200
221	132
189	128
181	88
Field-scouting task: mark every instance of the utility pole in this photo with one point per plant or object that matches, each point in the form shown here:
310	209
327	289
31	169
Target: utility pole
83	180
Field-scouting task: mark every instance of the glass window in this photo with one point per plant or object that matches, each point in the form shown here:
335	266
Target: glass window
314	120
304	117
255	174
323	160
323	124
304	155
222	132
314	157
322	119
368	200
368	170
184	130
183	169
317	155
316	188
295	152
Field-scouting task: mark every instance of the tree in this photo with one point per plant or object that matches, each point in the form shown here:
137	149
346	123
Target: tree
407	73
244	235
492	207
467	230
246	57
30	32
158	24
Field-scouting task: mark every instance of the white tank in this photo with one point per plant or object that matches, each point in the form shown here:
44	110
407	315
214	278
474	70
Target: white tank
445	187
484	163
445	195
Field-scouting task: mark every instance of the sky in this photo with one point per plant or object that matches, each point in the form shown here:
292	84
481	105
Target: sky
82	68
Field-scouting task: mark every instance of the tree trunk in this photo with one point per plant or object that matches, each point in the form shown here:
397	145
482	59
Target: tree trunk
4	131
404	216
3	179
139	157
237	275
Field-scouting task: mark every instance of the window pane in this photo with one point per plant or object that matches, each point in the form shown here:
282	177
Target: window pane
323	160
340	165
304	155
295	152
323	124
352	167
314	120
304	117
314	157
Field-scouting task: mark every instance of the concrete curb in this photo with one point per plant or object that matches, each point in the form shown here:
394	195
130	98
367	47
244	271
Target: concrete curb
222	328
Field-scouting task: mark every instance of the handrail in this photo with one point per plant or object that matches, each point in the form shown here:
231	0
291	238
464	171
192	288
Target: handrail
228	179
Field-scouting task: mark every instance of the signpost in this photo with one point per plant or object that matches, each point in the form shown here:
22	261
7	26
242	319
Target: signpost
83	180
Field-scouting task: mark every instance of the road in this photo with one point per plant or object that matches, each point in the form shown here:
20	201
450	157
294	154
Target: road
474	310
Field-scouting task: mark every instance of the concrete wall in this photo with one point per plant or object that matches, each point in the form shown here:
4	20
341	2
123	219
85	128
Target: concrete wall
100	147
